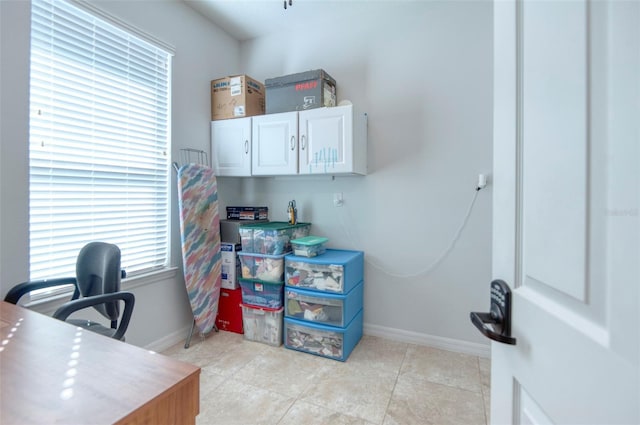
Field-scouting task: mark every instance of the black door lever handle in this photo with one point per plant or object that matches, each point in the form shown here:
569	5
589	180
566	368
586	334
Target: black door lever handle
483	321
496	324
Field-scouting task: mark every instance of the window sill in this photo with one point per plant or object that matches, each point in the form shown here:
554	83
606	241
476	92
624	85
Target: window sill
50	304
149	278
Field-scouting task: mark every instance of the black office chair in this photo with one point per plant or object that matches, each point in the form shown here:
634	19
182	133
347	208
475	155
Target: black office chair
97	285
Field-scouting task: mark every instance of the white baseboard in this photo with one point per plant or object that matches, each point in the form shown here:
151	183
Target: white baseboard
449	344
456	345
170	340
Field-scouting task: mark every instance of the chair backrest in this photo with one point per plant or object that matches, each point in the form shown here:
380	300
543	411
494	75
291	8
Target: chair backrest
98	272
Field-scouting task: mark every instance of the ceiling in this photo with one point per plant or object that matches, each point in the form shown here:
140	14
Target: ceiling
247	19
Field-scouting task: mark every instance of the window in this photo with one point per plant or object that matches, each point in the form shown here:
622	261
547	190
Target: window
99	140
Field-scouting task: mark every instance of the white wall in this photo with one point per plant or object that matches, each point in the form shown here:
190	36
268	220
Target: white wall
421	70
423	73
203	52
14	109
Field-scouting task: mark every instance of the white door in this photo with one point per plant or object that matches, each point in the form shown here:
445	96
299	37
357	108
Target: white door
275	144
231	147
326	140
566	189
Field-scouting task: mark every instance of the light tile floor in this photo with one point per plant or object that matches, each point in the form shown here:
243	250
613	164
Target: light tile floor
383	382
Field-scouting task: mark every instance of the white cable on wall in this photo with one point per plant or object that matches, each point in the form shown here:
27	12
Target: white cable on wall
436	262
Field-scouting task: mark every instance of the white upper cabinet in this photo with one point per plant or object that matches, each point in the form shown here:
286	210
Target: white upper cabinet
332	141
317	141
275	144
231	147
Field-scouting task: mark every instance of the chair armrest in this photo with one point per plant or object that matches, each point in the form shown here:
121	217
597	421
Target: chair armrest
15	293
72	306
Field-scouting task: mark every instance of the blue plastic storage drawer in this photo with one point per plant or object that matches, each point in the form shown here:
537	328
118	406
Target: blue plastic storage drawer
262	294
322	307
337	271
322	340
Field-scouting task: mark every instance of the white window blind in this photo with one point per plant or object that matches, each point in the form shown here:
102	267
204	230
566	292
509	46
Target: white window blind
99	134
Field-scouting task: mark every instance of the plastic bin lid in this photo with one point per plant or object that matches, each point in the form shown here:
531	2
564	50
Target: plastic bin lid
272	225
246	280
255	254
310	240
258	307
331	256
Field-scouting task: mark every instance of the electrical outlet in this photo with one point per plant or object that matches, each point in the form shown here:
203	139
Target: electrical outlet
337	199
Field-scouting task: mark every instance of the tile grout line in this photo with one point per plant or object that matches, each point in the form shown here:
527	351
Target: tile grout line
484	404
296	399
386	409
303	391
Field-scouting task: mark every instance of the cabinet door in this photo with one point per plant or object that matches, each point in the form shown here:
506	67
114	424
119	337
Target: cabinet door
326	140
231	147
275	144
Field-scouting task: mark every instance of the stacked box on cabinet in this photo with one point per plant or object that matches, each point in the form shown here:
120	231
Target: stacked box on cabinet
324	303
236	96
300	91
264	246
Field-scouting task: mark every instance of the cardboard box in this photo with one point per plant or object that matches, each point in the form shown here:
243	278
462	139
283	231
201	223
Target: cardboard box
229	229
301	91
230	265
230	311
235	97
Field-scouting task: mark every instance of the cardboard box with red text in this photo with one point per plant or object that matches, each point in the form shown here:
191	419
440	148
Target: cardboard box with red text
299	92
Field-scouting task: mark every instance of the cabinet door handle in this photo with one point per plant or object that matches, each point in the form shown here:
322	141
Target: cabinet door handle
302	143
293	142
246	146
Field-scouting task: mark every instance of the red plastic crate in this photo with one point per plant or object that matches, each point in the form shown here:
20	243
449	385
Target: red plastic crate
229	311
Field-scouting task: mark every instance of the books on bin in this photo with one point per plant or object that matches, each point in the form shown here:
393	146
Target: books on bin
247	213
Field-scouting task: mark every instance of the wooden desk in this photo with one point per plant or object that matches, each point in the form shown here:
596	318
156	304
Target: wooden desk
52	372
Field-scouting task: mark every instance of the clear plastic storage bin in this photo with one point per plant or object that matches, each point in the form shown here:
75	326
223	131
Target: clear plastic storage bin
321	307
262	324
309	246
269	268
273	238
262	294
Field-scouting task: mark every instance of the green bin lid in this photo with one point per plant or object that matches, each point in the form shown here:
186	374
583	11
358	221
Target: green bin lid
272	225
310	240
